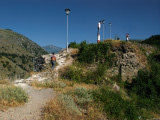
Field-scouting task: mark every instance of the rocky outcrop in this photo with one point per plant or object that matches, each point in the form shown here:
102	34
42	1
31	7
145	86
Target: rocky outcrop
38	64
128	60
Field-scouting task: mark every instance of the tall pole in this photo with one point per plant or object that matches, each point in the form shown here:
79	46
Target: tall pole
67	33
110	29
67	12
103	29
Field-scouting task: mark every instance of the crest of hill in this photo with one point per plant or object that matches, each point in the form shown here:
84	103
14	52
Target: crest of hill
153	40
14	43
16	54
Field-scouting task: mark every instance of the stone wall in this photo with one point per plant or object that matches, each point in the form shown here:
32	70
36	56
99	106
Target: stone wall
128	60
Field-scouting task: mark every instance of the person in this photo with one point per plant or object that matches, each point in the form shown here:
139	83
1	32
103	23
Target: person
53	60
127	37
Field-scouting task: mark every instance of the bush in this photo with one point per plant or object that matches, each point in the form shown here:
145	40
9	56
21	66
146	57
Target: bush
97	76
77	74
69	103
146	86
83	96
62	85
74	45
114	105
89	53
73	73
12	94
153	40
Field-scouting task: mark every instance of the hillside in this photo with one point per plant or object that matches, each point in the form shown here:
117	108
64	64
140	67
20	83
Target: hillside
153	40
112	80
16	54
52	48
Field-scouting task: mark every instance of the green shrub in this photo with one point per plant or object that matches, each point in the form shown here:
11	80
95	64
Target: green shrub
153	40
73	73
146	86
76	73
97	76
83	96
89	53
114	105
11	94
69	103
62	85
74	45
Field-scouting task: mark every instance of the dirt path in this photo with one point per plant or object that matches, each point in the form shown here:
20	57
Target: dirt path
32	110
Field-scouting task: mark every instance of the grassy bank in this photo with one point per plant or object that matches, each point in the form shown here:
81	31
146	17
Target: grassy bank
88	93
11	96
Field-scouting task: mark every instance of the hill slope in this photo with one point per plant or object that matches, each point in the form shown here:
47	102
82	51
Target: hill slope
16	54
153	40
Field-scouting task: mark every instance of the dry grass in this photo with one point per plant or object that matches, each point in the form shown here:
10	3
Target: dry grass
115	43
4	81
5	104
140	55
70	86
74	51
55	110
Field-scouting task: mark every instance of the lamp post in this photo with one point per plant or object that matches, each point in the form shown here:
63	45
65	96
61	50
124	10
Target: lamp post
67	12
103	28
110	29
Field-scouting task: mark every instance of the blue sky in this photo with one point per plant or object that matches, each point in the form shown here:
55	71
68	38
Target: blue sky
44	21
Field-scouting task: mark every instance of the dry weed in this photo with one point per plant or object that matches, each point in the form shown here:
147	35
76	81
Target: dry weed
4	81
74	51
55	110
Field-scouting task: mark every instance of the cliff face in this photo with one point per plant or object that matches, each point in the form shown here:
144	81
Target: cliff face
128	60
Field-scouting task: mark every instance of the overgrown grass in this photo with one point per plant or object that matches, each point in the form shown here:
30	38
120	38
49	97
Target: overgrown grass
56	110
4	81
76	73
11	95
145	87
73	104
114	105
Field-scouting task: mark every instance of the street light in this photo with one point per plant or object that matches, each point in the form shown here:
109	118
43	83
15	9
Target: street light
67	12
110	29
103	28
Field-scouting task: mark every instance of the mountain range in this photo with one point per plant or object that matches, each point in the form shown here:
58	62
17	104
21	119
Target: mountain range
52	48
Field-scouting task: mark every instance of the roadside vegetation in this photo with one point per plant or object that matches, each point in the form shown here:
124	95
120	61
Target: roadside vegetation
11	96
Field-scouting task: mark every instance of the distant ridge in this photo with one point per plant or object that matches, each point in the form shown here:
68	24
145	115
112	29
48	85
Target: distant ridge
52	48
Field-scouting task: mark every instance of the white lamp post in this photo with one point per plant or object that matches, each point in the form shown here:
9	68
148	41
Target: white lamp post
67	12
110	29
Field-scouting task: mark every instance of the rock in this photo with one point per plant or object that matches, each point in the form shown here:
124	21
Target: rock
116	87
129	59
39	64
